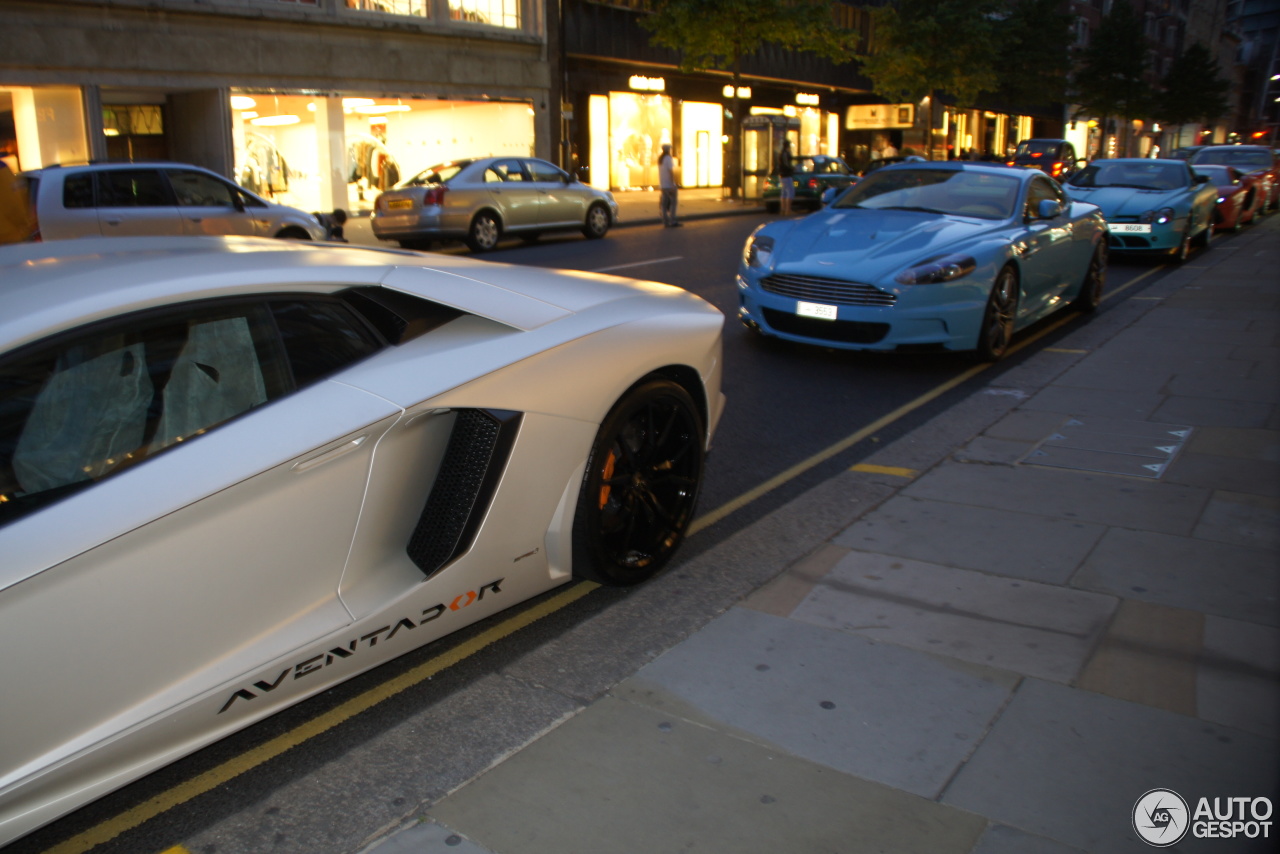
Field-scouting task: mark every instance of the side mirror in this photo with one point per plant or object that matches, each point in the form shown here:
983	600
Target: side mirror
829	195
1049	209
1202	179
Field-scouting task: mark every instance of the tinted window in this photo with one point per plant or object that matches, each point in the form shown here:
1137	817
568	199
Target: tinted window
939	191
507	170
129	188
196	189
321	337
90	404
1135	175
77	191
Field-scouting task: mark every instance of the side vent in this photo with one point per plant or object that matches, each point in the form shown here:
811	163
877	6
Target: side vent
478	450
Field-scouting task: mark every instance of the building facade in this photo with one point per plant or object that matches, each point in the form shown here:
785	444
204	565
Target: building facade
314	103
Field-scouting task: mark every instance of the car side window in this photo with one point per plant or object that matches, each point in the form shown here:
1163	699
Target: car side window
1039	190
89	404
196	189
510	170
133	188
322	337
545	172
77	191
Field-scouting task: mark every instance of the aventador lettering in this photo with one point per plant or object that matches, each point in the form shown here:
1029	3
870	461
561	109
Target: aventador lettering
370	639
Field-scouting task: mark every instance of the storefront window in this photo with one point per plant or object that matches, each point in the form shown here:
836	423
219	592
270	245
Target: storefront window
497	13
320	153
418	8
639	125
45	123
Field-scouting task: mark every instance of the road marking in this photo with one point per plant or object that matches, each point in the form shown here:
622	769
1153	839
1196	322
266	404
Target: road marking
238	765
895	471
638	264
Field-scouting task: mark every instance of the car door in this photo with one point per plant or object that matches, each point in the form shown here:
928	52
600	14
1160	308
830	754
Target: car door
210	205
1046	248
514	193
562	204
135	202
181	489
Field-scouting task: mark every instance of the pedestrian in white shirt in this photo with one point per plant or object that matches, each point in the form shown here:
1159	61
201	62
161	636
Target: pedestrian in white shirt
667	170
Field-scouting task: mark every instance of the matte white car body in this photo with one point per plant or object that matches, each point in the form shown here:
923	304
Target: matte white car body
218	582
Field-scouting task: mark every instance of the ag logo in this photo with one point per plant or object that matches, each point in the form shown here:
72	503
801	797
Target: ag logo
1161	818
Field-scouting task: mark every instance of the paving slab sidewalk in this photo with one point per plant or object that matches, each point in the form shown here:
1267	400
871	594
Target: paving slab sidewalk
1001	649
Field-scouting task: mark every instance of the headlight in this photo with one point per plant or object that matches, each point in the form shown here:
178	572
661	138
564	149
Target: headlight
1159	217
1221	199
758	252
935	270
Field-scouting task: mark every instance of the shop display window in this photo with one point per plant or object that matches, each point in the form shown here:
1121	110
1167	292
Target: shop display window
496	13
417	8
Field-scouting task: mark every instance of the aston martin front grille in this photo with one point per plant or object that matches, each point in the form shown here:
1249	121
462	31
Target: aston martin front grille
820	289
478	449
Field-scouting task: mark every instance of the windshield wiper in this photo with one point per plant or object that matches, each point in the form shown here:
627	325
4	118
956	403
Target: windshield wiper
910	208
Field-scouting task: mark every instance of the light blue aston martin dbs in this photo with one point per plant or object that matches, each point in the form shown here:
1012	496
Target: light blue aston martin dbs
947	256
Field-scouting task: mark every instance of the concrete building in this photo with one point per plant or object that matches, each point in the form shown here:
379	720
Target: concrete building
315	103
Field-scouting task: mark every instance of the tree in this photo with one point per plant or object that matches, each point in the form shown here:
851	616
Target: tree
1194	90
1111	80
719	34
1033	53
923	48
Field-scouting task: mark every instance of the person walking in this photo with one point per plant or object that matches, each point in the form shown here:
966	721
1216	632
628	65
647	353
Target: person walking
786	176
17	224
667	171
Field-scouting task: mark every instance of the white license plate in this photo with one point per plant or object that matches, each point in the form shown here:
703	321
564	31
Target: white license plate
1131	227
813	309
399	204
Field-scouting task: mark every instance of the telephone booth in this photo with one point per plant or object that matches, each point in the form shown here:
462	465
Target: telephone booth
761	140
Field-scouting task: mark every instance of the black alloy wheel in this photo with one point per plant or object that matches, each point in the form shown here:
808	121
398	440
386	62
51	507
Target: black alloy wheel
1095	279
998	318
640	487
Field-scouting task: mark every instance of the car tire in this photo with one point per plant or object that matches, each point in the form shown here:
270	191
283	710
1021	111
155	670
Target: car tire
597	223
485	232
641	485
999	317
1095	278
1204	238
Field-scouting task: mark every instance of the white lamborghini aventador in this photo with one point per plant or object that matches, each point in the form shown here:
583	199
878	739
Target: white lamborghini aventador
234	472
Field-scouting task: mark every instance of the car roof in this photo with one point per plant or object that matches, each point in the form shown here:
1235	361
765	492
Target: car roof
50	287
113	164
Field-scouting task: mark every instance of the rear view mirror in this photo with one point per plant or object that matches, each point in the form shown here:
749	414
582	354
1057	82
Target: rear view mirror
1049	209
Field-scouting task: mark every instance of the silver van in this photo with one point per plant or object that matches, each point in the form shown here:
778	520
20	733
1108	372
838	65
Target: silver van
132	199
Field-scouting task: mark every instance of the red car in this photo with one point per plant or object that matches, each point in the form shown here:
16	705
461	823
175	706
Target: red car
1252	160
1240	196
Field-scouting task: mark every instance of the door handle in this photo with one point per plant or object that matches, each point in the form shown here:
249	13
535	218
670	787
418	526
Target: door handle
330	455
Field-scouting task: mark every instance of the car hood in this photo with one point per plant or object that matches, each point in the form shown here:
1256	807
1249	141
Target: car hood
1126	201
880	243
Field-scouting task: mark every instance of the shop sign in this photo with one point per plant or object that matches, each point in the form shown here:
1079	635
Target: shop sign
743	92
648	84
879	116
807	99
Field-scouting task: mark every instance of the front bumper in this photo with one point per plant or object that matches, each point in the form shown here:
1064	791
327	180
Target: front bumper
937	317
1162	237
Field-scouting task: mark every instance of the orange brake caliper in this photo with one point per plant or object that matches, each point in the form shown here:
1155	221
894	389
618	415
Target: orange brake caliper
607	474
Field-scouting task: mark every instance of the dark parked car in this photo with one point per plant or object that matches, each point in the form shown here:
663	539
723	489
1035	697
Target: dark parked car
1054	157
813	176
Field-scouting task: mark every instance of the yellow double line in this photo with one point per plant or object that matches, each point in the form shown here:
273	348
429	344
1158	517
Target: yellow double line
233	768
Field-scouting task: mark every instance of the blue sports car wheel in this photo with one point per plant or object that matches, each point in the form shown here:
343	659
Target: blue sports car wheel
998	318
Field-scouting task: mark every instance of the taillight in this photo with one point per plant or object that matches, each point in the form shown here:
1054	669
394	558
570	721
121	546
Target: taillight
433	196
1057	169
813	184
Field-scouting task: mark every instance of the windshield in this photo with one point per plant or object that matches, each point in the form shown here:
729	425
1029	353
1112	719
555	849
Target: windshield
1245	159
936	191
822	165
436	174
1152	175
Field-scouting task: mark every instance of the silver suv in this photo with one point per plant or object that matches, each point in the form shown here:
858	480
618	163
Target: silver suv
129	199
